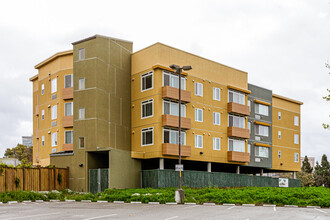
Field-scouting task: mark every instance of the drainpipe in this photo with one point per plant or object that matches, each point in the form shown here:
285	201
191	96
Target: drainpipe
209	167
161	163
237	169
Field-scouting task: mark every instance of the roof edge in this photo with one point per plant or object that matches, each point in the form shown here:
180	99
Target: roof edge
288	99
101	36
34	78
59	54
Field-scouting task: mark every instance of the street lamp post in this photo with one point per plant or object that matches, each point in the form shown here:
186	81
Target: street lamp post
179	194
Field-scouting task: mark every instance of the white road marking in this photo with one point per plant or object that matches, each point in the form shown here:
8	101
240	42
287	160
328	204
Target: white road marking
30	216
274	209
321	211
104	216
171	218
232	207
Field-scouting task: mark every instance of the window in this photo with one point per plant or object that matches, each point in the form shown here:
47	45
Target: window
279	116
279	134
172	108
146	81
261	109
236	97
236	121
147	108
68	81
296	138
249	126
198	115
147	136
54	112
81	83
54	85
216	118
68	137
262	130
216	94
172	80
42	114
216	143
81	54
261	151
236	145
172	136
82	113
43	141
249	148
296	120
42	89
198	141
68	109
279	154
81	142
249	104
54	139
199	89
296	157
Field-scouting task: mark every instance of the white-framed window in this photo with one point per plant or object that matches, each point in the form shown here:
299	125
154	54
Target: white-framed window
296	138
237	97
54	85
198	114
147	136
43	114
172	136
147	108
198	141
54	139
249	148
261	109
68	81
261	151
43	141
68	137
279	154
170	79
296	120
81	142
82	113
172	108
216	94
198	89
81	54
236	145
262	130
147	81
54	112
42	89
236	121
249	104
68	108
279	115
216	118
81	83
216	143
279	134
249	126
296	157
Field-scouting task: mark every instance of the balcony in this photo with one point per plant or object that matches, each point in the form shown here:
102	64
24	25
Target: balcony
37	110
238	132
173	94
239	109
67	121
67	93
173	121
173	150
235	156
67	147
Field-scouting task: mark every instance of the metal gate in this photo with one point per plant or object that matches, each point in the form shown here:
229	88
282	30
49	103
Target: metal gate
98	180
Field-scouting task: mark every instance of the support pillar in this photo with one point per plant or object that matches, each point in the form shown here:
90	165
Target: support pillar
209	167
237	169
261	172
161	163
294	175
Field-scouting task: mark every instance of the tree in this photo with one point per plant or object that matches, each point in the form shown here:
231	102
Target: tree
306	166
21	152
322	172
327	98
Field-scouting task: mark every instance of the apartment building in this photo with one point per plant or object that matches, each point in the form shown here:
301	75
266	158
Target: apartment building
102	106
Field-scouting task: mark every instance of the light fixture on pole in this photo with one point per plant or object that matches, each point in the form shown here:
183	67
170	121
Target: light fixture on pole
179	194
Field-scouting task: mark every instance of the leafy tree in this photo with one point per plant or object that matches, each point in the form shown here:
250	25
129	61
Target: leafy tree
322	172
327	98
307	179
21	152
306	166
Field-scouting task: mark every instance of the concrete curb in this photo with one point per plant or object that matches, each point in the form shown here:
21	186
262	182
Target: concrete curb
39	200
291	206
12	202
209	204
153	203
268	205
1	203
102	201
54	200
136	202
228	204
190	203
27	201
86	201
70	200
250	205
315	207
171	203
118	202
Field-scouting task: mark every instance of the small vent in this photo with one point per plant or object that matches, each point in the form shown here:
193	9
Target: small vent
257	116
54	123
54	96
257	160
54	150
257	138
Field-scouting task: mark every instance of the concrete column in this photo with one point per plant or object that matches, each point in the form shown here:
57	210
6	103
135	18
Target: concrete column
294	175
261	172
237	169
209	167
161	163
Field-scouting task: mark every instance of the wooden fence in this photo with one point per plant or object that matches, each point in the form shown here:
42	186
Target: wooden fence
36	179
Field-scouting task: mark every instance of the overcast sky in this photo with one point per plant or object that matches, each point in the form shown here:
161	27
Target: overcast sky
283	45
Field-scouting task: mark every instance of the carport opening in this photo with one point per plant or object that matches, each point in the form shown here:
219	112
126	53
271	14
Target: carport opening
98	159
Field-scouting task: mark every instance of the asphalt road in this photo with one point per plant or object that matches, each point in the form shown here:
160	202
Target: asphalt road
89	211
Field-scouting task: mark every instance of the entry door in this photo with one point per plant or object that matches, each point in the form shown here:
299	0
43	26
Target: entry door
98	180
